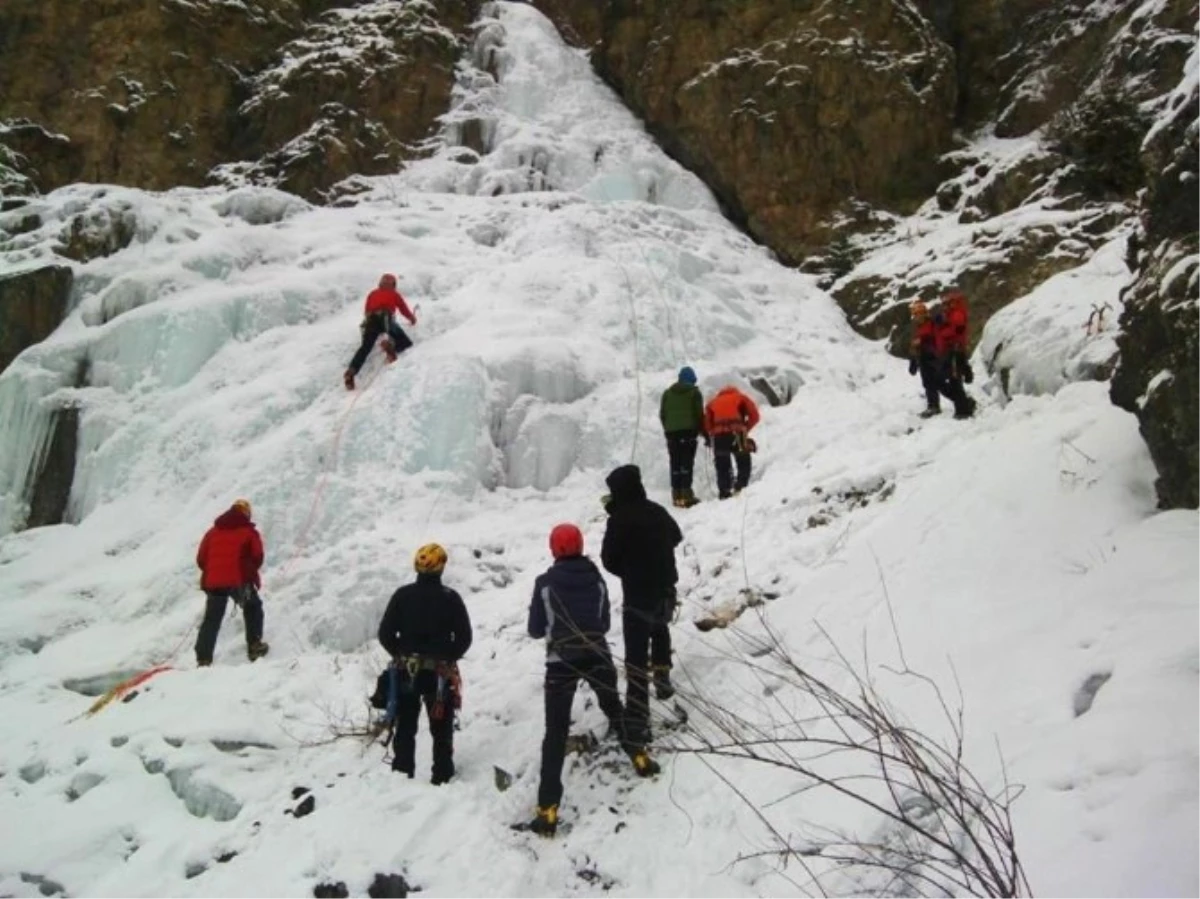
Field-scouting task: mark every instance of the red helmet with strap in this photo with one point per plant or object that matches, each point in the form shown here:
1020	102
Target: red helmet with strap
566	540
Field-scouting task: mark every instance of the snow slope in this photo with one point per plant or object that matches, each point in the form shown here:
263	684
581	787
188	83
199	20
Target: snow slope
560	276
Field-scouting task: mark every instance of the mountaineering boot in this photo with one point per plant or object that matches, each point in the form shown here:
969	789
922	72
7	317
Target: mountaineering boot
203	663
689	497
389	349
545	823
967	411
400	769
663	688
348	379
931	411
257	650
644	765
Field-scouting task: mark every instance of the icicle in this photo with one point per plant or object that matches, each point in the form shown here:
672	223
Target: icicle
24	439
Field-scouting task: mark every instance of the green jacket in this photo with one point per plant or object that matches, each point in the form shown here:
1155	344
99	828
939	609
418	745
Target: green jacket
682	408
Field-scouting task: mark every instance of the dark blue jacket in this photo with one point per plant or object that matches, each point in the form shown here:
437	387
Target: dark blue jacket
570	609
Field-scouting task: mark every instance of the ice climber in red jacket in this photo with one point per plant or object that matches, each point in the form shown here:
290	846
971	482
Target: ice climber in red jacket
230	556
379	318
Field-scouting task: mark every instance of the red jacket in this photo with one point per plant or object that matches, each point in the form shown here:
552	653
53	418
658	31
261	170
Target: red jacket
385	299
955	311
230	554
730	412
926	339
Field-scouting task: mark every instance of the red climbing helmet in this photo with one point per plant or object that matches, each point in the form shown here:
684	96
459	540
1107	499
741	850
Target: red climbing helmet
566	540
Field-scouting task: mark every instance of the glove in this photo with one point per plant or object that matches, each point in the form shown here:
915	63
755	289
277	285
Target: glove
751	446
707	440
912	366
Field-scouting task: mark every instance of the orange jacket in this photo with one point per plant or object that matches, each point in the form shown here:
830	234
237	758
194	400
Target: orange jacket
730	412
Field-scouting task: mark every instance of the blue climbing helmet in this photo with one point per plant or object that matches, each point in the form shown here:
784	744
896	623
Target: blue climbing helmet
687	375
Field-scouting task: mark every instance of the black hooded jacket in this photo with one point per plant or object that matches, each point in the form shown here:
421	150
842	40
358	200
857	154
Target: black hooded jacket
640	540
427	619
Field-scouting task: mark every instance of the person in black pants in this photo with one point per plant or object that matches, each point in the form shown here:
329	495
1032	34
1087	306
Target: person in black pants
426	630
681	411
570	609
379	317
639	548
728	419
229	557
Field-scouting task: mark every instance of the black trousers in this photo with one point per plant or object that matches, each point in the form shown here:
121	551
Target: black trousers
214	613
952	377
372	328
941	377
415	692
931	381
727	448
562	677
681	454
647	642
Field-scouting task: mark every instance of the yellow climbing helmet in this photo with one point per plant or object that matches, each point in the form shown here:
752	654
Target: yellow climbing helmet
430	559
243	506
918	309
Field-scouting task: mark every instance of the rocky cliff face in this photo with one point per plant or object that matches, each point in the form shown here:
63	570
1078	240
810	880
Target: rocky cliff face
822	125
296	93
797	115
1156	378
32	304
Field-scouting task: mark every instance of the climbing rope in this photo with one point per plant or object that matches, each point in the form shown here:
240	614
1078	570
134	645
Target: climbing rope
167	661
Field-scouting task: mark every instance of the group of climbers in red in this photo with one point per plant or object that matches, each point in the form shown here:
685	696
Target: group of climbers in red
938	351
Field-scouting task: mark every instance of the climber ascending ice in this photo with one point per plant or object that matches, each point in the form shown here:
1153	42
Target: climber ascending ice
380	318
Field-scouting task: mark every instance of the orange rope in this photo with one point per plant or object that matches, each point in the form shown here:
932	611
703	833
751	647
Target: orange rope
337	442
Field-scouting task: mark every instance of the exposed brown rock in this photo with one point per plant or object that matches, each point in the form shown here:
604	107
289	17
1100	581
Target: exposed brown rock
32	304
1156	377
158	94
787	110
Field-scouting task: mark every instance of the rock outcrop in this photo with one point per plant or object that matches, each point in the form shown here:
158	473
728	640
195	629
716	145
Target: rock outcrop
1156	378
795	115
32	304
1044	205
296	93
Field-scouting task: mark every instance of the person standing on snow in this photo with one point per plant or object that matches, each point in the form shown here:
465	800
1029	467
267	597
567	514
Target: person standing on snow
426	630
681	412
570	609
229	557
951	324
639	548
936	343
380	318
923	357
728	420
954	305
